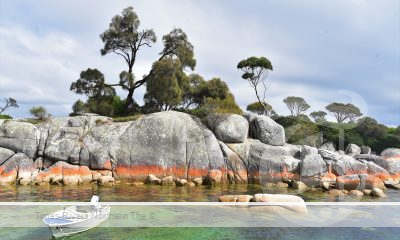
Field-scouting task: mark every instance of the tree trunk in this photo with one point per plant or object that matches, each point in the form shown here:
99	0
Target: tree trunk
129	99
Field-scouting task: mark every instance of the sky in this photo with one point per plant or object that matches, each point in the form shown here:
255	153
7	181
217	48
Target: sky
324	51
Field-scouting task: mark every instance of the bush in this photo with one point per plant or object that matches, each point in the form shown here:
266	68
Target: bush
227	105
5	116
39	112
300	130
198	112
390	141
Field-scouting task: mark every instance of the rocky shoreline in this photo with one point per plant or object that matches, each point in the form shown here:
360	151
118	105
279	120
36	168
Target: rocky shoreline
174	148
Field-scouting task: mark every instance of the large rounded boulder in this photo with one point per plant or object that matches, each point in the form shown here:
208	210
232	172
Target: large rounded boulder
229	128
167	144
266	130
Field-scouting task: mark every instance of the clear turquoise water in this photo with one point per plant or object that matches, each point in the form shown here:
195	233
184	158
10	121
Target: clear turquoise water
161	194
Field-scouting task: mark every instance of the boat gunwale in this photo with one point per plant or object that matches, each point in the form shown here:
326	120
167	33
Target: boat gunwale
71	221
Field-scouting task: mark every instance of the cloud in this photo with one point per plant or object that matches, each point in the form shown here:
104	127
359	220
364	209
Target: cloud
316	48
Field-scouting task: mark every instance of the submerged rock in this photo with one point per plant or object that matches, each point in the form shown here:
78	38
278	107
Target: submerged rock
356	193
235	198
299	185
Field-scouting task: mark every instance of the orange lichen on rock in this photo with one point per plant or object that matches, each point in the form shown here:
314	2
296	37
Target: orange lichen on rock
140	172
330	177
383	176
70	174
348	182
396	176
371	182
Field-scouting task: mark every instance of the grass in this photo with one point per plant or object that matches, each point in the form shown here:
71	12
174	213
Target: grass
128	118
34	121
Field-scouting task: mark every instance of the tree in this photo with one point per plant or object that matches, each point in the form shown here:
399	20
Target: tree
167	84
78	108
368	127
10	103
255	71
343	112
214	89
193	97
92	83
39	112
318	116
296	105
258	108
220	106
199	90
124	38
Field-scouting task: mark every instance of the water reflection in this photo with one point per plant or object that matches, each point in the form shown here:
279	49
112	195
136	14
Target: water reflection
152	193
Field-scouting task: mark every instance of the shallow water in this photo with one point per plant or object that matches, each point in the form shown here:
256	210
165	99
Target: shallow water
155	193
146	193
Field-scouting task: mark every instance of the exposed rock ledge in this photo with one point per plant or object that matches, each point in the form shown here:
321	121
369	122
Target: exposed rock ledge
94	149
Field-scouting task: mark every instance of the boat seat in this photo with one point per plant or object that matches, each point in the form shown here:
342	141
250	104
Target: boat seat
95	200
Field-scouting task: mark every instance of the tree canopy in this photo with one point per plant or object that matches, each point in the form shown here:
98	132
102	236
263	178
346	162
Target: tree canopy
318	116
296	105
255	71
166	87
343	112
92	84
39	112
370	128
10	103
126	39
258	108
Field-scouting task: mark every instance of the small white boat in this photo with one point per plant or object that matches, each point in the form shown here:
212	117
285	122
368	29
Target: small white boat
77	219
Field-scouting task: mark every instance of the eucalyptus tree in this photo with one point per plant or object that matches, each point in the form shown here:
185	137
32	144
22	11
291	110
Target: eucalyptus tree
10	103
125	39
296	105
318	116
343	112
255	71
166	86
92	84
258	108
39	112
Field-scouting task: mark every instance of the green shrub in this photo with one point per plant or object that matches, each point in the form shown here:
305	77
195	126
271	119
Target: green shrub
390	141
5	116
198	112
300	130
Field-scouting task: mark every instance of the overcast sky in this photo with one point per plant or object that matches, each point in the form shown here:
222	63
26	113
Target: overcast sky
324	51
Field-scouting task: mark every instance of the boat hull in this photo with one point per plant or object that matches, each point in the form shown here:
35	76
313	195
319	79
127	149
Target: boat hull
62	230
